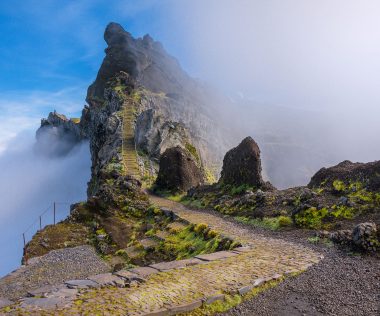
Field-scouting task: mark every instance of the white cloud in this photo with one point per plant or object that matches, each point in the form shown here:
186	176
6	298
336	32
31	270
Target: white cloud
22	110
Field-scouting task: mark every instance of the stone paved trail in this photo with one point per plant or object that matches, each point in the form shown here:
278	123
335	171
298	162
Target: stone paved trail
170	292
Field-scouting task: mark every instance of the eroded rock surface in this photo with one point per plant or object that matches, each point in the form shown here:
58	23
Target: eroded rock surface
242	165
347	171
178	171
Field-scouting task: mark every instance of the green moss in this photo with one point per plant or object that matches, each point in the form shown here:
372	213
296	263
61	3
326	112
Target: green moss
231	301
240	189
342	212
210	177
75	120
136	96
200	228
193	151
272	223
313	240
311	218
284	221
188	243
339	186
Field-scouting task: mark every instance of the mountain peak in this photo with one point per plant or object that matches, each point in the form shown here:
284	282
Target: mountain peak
115	34
144	59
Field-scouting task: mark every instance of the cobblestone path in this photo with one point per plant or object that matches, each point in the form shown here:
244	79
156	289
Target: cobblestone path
179	290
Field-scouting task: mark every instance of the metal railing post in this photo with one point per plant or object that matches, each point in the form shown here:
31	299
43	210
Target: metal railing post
54	212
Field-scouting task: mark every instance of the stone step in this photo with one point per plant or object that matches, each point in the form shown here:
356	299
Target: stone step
217	255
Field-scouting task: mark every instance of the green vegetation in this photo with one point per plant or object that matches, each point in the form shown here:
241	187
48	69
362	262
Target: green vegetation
314	218
193	151
240	189
75	120
61	235
191	241
231	301
311	218
317	240
272	223
210	177
339	186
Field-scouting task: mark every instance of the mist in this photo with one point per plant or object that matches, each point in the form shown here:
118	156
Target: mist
30	182
303	76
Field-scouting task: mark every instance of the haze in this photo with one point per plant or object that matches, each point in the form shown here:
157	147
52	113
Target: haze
308	73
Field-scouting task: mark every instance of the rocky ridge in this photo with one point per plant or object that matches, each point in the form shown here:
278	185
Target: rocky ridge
170	108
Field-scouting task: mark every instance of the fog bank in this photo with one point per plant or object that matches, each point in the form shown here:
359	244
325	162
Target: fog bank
29	183
304	76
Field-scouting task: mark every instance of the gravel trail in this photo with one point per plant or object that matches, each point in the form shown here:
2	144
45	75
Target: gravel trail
53	268
338	285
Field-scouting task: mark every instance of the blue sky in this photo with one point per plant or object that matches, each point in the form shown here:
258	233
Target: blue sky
52	50
320	55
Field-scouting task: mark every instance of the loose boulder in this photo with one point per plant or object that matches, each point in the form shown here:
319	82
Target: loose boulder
178	171
242	165
364	236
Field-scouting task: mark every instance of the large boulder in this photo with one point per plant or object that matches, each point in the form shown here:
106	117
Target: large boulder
366	173
179	171
242	165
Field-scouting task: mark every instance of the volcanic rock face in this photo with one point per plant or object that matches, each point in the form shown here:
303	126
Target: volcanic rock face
242	165
366	173
164	108
165	96
178	171
144	59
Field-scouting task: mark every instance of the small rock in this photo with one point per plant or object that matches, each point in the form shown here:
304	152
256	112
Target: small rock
81	284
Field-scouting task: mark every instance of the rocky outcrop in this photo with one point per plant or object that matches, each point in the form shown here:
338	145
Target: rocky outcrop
164	96
366	173
154	135
178	171
167	108
363	237
242	165
144	59
58	135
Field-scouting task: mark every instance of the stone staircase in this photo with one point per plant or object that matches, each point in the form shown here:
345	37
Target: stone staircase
129	154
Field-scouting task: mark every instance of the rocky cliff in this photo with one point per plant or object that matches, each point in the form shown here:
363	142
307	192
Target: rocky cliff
141	104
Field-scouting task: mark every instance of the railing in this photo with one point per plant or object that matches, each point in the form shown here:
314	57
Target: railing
43	220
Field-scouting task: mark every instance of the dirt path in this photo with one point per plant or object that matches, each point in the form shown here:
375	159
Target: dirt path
185	288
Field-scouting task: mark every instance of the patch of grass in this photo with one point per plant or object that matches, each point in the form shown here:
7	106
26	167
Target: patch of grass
343	212
311	218
176	197
231	301
210	177
61	235
193	151
240	189
314	240
271	223
193	203
75	120
339	186
188	243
